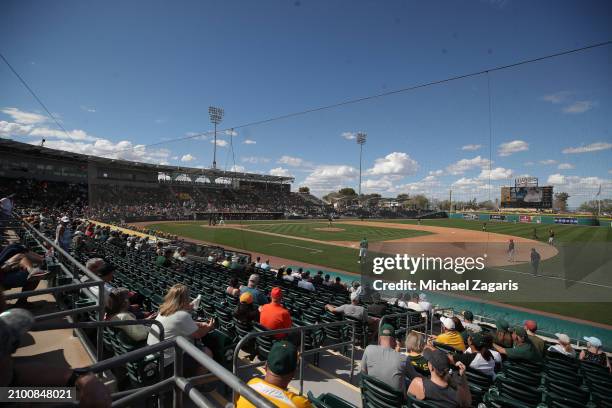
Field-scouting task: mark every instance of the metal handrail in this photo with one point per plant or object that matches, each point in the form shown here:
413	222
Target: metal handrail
42	326
408	314
93	278
181	384
302	353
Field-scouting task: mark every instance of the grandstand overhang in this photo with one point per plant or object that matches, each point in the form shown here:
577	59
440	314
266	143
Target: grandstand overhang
8	147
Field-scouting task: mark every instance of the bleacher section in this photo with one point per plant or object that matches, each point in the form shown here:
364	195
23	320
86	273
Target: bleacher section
556	382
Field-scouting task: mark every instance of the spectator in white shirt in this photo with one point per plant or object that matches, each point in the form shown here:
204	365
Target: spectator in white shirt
425	305
305	282
564	347
413	303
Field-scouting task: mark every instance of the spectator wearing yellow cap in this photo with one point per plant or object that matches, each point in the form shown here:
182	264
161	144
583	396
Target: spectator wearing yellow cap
246	312
280	368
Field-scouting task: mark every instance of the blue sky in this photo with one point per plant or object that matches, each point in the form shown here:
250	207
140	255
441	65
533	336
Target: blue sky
121	74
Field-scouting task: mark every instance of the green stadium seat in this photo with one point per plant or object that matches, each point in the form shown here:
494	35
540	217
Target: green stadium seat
377	394
328	400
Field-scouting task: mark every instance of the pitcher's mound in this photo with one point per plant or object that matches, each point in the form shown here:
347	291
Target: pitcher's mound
330	229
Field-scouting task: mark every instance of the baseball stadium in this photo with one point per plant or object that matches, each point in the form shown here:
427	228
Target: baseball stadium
438	236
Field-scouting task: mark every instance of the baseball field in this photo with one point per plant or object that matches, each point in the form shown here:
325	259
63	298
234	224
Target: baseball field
574	278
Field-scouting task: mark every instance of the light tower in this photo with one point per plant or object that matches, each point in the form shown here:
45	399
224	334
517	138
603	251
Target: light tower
216	116
361	139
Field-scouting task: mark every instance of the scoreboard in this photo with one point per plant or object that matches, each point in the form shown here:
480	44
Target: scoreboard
527	194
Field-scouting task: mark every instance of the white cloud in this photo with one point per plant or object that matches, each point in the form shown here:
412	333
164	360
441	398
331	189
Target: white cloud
579	107
471	147
220	142
515	146
498	173
124	149
231	132
464	165
558	97
238	168
25	118
396	163
349	135
280	171
548	162
556	179
377	185
8	129
249	141
187	158
436	172
566	166
75	134
89	109
326	178
467	182
294	161
593	147
254	159
528	163
425	185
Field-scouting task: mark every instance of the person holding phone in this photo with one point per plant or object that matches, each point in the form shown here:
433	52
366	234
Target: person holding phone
175	316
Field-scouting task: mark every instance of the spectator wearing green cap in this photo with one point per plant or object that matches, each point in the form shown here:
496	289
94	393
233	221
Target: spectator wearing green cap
503	336
384	362
522	349
479	357
280	368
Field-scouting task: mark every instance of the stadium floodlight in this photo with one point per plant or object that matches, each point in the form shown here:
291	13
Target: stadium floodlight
361	139
216	116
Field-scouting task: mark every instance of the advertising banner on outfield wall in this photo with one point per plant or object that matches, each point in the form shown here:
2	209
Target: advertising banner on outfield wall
470	216
525	218
497	217
566	220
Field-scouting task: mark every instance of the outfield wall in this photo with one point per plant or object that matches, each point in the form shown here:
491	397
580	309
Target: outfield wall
552	219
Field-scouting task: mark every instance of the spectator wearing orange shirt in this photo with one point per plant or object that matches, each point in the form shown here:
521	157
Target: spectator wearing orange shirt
274	316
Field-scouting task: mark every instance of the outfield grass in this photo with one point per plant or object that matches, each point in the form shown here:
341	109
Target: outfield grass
309	252
351	232
563	233
584	254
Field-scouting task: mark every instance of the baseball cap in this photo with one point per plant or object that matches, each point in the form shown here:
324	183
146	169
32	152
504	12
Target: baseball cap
595	342
65	219
520	331
247	298
447	322
477	339
501	324
14	323
563	338
437	358
282	358
387	330
276	293
531	325
467	315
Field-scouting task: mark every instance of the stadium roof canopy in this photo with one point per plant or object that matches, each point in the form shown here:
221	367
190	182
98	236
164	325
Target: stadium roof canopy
8	146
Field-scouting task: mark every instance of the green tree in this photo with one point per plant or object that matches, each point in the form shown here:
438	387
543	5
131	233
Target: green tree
347	191
560	201
304	190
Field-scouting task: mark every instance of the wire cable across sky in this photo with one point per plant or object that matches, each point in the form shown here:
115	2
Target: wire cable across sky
330	106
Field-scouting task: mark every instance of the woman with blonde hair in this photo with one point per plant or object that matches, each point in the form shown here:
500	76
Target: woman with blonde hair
414	348
175	316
